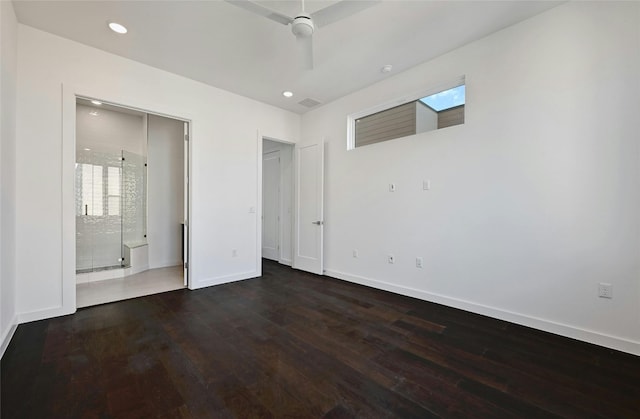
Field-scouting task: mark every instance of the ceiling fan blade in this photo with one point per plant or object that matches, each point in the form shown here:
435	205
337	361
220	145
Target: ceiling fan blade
261	11
305	51
341	10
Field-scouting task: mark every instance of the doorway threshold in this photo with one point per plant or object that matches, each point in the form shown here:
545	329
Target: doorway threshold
152	281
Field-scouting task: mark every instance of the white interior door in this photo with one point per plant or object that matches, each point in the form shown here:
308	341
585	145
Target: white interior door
309	225
271	205
185	227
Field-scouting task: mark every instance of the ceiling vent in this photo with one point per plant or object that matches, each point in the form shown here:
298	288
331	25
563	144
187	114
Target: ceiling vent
309	103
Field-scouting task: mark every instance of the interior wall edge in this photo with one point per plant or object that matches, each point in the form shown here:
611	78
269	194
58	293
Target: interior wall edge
7	335
589	336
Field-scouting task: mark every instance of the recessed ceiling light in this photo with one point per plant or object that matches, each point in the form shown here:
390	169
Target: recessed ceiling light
386	69
93	113
87	149
287	94
117	28
96	102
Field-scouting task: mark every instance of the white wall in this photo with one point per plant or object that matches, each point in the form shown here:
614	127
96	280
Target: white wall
165	174
109	131
8	75
286	197
533	201
224	163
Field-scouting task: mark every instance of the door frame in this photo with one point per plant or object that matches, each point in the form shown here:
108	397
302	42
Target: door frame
276	153
68	251
259	140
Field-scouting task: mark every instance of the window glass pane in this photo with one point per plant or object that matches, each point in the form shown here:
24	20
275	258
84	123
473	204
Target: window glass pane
113	205
113	174
87	189
436	111
98	200
446	99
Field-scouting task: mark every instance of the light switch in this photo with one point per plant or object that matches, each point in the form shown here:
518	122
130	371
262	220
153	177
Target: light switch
426	185
392	187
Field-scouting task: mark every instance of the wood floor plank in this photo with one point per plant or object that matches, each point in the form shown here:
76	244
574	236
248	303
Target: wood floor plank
296	345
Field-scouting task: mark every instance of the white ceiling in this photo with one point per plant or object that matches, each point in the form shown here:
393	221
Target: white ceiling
224	46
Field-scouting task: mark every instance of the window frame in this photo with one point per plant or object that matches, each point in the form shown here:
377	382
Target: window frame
440	87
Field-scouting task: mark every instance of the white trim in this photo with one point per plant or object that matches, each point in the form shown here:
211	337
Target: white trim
166	264
186	204
68	222
45	313
287	262
258	208
590	336
351	118
226	279
8	335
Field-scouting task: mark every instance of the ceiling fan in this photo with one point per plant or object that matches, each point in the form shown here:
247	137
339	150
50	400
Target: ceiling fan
304	24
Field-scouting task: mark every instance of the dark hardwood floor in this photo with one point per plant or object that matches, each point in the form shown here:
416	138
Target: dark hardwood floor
296	345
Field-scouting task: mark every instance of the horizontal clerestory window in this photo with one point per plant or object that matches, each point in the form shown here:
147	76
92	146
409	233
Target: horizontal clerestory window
438	108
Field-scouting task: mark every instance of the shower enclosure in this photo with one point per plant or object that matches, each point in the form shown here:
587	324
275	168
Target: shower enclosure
111	201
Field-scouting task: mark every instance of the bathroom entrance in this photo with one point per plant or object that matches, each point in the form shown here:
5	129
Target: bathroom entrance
131	202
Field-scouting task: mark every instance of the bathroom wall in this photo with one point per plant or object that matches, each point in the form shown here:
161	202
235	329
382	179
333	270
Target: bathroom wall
110	130
165	171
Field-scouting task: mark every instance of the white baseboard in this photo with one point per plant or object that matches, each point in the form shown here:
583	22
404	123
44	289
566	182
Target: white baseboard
46	313
223	279
165	264
7	335
590	336
136	269
287	262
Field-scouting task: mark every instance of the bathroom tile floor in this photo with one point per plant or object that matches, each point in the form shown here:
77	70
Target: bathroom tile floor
148	282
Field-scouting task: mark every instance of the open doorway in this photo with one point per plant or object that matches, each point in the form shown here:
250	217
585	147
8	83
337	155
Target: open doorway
277	201
131	203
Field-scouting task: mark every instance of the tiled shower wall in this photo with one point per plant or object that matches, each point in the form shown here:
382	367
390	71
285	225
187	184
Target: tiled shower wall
134	221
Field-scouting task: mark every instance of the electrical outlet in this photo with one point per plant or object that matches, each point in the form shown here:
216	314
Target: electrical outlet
234	253
605	290
391	259
355	253
392	187
419	262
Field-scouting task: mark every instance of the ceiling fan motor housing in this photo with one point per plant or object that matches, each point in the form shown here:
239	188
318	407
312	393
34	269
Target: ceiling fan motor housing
302	26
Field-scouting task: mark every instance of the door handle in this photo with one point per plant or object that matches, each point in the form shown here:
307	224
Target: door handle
318	223
86	209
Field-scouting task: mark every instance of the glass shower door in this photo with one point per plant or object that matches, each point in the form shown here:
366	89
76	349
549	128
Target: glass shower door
98	211
134	202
